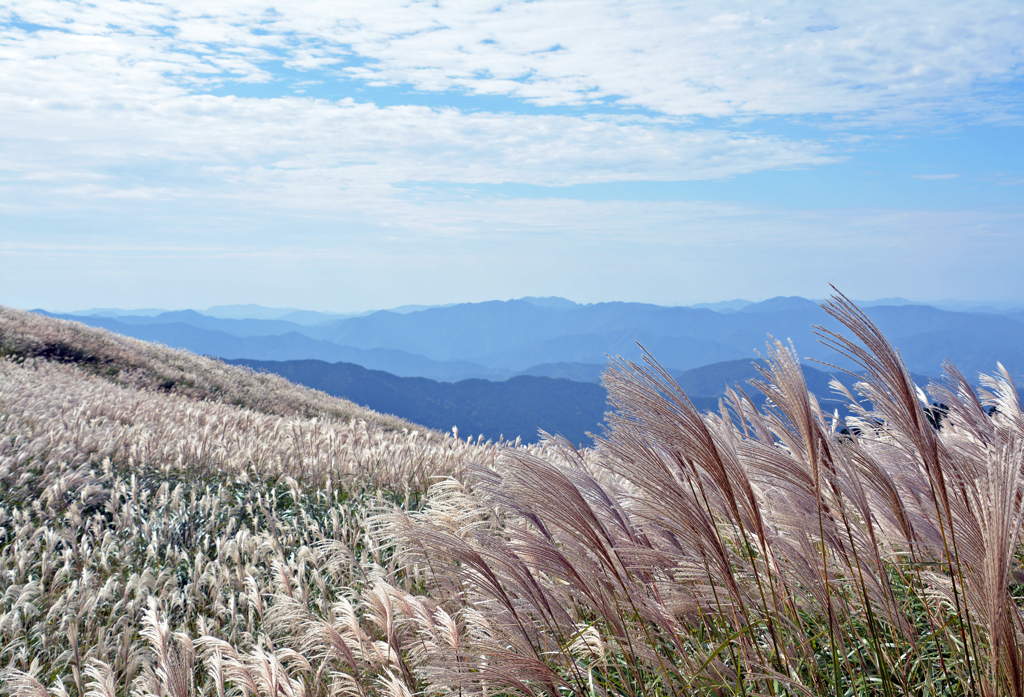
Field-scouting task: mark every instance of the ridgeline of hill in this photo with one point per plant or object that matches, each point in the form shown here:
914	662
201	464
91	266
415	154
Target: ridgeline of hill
146	366
548	337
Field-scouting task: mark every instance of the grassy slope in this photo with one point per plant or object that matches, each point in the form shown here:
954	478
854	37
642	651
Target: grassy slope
144	365
135	477
171	527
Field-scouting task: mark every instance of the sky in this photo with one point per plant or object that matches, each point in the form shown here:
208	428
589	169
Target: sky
346	156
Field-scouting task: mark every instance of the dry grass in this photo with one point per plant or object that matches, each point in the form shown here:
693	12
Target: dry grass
746	552
144	365
140	485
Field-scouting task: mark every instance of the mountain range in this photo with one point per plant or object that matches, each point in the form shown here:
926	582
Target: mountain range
519	406
507	369
555	337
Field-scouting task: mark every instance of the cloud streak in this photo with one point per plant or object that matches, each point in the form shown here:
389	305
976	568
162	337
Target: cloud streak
320	154
374	126
709	59
664	252
96	91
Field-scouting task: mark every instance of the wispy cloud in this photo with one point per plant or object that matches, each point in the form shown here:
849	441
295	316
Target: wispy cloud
934	177
187	122
710	59
102	88
321	154
477	250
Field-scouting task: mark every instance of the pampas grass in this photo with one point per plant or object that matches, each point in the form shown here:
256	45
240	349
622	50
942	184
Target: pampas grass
772	552
156	544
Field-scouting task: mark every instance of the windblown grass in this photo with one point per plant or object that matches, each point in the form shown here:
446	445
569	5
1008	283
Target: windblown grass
145	365
776	552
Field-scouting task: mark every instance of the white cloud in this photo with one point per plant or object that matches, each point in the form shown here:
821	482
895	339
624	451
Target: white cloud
897	59
110	100
110	96
934	177
108	109
321	154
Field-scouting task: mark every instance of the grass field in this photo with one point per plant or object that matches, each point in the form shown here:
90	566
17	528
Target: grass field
170	525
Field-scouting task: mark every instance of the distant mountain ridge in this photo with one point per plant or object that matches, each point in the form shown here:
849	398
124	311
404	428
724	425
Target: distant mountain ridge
283	347
499	339
522	405
509	368
513	408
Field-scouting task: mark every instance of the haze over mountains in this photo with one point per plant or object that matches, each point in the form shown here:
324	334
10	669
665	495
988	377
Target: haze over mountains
553	336
520	405
542	357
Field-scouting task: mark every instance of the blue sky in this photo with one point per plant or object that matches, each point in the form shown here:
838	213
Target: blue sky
359	155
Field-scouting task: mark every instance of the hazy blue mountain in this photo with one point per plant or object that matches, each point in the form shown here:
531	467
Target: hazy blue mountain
515	407
500	339
289	322
500	329
676	352
248	311
782	304
234	327
988	306
580	372
287	314
712	380
973	342
725	306
682	338
895	301
114	312
444	333
311	318
552	302
406	309
905	321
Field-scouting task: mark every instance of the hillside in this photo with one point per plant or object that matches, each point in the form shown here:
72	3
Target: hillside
174	526
131	474
142	365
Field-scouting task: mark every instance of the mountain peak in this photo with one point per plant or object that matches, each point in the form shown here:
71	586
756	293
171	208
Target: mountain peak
725	306
552	302
781	304
248	312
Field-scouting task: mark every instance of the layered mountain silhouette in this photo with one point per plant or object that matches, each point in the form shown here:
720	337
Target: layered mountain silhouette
511	368
517	407
520	406
499	339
